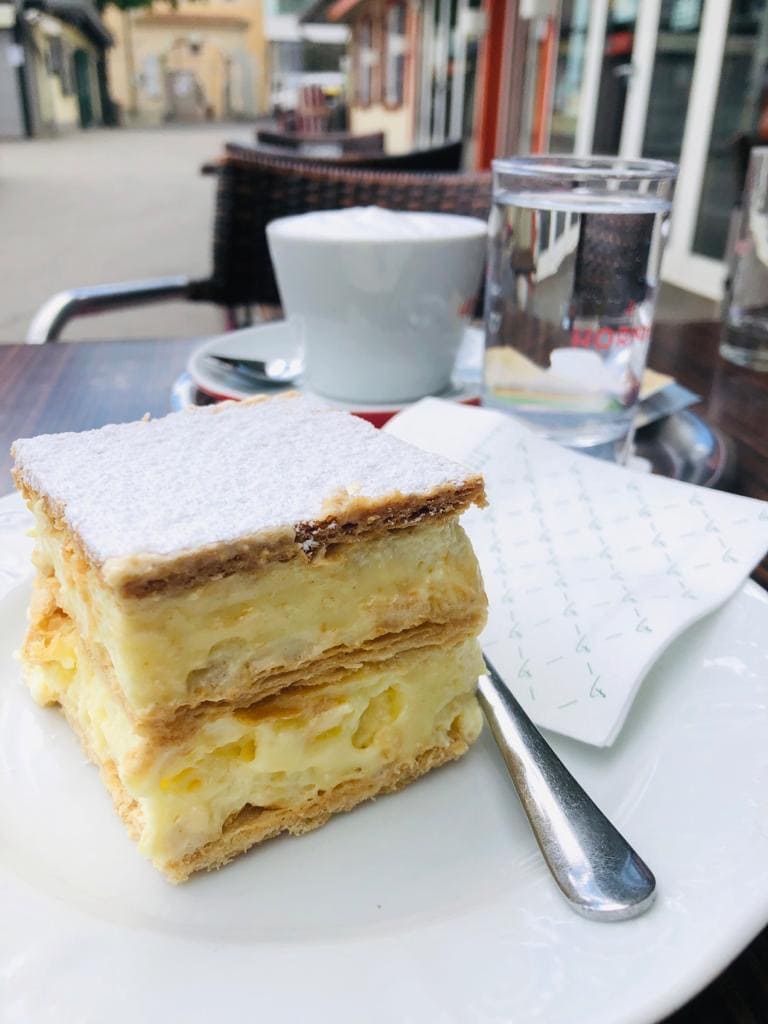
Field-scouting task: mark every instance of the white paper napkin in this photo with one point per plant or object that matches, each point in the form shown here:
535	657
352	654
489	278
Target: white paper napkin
590	569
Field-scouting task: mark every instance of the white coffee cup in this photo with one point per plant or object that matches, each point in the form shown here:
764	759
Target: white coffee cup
380	298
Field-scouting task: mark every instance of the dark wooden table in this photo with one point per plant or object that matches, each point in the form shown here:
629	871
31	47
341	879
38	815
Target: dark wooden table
47	388
73	387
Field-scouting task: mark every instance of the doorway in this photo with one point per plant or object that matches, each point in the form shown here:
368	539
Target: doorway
83	86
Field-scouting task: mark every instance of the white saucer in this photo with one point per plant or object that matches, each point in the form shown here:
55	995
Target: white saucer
276	340
429	906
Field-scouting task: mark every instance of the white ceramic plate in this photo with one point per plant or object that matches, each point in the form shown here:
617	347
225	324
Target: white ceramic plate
277	340
428	907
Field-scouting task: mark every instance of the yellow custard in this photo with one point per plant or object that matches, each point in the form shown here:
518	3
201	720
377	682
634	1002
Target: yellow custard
283	752
213	641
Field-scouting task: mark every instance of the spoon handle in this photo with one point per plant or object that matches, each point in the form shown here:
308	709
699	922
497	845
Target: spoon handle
597	870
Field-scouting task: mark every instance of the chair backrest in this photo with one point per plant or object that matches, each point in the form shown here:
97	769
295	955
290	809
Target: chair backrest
254	189
364	151
437	158
373	142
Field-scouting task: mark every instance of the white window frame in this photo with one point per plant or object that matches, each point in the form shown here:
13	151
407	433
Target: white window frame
365	63
395	44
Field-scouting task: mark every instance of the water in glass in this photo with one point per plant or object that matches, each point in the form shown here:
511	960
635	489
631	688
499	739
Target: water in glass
571	291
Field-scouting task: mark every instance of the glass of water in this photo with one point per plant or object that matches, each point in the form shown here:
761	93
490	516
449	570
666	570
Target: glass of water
745	327
574	252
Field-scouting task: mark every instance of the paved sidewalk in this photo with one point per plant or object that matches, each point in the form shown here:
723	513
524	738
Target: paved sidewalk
108	205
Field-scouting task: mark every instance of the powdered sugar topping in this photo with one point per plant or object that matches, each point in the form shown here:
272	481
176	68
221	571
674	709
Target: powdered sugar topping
216	475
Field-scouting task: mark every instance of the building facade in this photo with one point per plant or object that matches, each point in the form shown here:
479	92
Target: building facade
199	60
415	68
54	76
299	54
383	78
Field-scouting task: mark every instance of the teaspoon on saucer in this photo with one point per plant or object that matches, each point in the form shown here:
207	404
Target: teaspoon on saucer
598	872
264	371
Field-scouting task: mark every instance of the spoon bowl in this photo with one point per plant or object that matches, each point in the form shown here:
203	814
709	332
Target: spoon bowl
278	371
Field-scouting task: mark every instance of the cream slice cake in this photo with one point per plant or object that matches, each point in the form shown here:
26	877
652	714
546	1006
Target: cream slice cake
253	615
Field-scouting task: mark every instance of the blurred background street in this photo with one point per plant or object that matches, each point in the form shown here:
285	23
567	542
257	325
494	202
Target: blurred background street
109	205
109	108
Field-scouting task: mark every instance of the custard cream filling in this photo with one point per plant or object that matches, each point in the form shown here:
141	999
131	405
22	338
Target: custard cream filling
280	753
180	648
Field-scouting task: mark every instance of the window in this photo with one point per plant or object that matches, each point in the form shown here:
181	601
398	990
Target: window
569	81
61	64
68	72
742	97
365	61
394	80
287	57
291	6
322	56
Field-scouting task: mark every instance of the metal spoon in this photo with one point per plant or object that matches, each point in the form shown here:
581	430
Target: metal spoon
597	870
264	371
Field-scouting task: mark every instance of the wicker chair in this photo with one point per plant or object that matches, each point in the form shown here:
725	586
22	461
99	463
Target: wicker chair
253	190
344	142
362	151
445	158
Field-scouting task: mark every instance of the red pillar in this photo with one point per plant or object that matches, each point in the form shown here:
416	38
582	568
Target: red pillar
489	78
545	84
